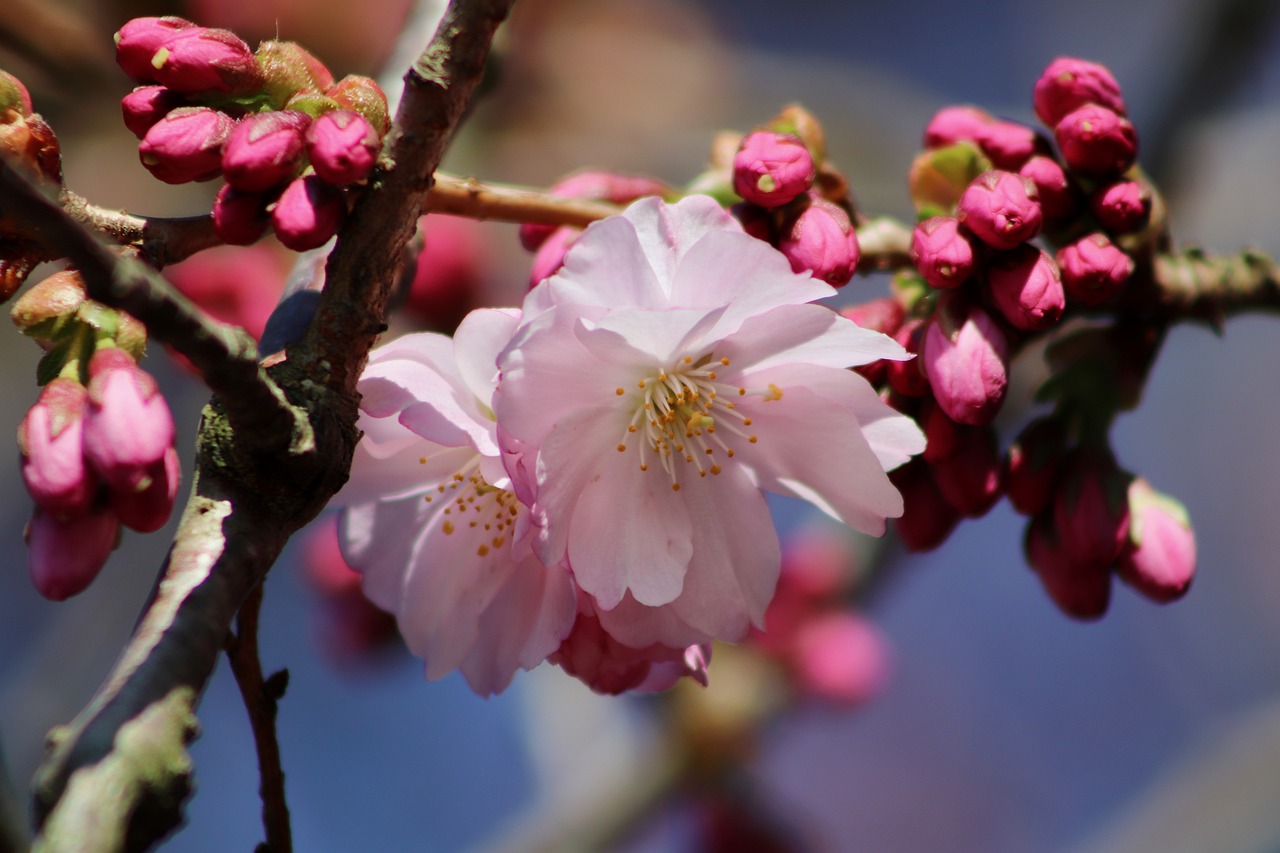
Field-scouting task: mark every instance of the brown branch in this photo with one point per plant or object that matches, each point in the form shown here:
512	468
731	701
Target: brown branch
471	198
1194	285
246	502
158	240
262	701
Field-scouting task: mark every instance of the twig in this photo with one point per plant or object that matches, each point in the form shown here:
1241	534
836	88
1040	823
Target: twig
157	239
261	699
469	197
225	356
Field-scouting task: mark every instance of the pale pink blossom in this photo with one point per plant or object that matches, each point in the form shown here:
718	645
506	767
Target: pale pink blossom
430	521
668	375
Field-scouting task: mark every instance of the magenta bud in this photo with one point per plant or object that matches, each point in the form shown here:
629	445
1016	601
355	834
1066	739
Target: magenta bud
186	145
770	169
550	255
1001	208
66	552
1091	506
1057	199
950	125
593	184
883	315
342	147
1027	288
308	213
971	478
128	426
1159	559
820	239
240	218
1032	463
139	39
966	358
756	221
1009	145
908	377
1080	590
196	60
51	438
1096	141
264	150
942	251
1068	84
146	105
147	510
927	519
840	658
1122	207
1094	269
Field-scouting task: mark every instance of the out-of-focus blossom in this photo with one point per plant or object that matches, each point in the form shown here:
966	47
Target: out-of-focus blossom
971	478
1159	559
839	658
955	124
908	377
1094	270
927	519
351	627
1032	464
1080	589
66	552
550	255
240	286
448	272
1122	207
667	374
1026	286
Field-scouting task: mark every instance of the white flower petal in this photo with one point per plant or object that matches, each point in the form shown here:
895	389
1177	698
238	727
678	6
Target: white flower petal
809	334
480	336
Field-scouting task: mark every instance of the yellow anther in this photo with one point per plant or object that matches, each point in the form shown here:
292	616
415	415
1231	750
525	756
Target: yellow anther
422	460
482	551
448	527
725	362
621	447
715	469
675	487
619	391
775	393
753	439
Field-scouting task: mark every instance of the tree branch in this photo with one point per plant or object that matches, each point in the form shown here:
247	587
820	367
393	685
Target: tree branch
261	699
247	502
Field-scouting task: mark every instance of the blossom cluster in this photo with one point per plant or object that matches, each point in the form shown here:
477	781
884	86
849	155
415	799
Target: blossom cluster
287	139
98	445
582	479
986	190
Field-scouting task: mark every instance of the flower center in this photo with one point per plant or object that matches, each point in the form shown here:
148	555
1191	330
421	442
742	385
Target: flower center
685	417
486	513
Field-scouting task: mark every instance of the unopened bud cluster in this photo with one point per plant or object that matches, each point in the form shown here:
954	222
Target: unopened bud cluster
98	445
288	140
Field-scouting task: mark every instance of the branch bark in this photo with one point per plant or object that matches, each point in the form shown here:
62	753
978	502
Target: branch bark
121	766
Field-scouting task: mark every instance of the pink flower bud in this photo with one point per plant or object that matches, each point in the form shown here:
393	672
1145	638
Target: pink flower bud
1027	288
1080	590
1009	145
1094	269
593	184
1159	559
908	377
264	150
550	255
233	285
362	95
942	251
196	60
186	145
594	657
66	552
128	427
240	218
756	221
971	479
1096	141
966	358
308	213
821	240
927	519
1068	84
1122	207
1057	198
1091	506
342	147
1032	464
1001	208
146	105
51	440
839	658
139	39
950	125
147	509
880	315
770	169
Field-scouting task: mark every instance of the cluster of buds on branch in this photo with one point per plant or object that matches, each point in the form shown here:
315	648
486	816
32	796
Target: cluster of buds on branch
287	139
98	445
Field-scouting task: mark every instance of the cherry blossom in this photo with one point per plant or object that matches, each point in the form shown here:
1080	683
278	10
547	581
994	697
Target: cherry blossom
667	376
429	519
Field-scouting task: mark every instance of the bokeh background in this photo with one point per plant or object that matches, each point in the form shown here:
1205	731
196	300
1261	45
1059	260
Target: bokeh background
1004	727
